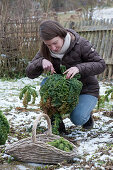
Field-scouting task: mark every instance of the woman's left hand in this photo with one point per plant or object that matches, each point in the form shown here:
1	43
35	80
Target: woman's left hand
70	73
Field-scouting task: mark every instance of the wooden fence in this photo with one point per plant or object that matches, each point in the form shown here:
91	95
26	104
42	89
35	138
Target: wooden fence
19	42
100	34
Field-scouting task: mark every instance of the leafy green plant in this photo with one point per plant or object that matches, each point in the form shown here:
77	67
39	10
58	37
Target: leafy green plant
101	102
62	144
60	95
4	128
105	98
28	93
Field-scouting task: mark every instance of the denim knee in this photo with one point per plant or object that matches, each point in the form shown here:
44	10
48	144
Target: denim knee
81	114
78	118
43	81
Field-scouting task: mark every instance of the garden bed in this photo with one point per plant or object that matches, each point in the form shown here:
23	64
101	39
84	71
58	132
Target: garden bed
94	147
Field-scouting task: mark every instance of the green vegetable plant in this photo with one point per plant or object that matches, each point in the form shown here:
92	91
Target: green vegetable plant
4	128
62	144
28	93
105	98
60	95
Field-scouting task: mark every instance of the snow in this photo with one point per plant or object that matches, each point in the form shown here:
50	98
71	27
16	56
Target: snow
105	13
100	14
89	142
67	168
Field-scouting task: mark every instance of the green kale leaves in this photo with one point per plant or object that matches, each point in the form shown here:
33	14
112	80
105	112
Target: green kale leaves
62	144
4	128
60	95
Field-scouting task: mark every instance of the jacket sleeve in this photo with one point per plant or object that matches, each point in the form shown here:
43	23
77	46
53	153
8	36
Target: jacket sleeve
34	68
92	63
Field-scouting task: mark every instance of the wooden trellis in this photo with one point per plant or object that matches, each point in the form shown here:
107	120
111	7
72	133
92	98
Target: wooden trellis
100	34
19	42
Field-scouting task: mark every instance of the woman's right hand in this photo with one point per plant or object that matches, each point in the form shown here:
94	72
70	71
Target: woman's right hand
48	66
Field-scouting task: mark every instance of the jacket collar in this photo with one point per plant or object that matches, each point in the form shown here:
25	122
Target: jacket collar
74	40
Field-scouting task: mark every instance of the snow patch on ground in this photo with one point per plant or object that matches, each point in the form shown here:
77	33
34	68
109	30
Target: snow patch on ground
105	13
90	143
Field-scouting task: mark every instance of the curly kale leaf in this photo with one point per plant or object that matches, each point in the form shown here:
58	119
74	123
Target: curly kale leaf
60	94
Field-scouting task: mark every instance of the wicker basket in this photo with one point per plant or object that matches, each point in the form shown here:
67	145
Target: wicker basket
36	148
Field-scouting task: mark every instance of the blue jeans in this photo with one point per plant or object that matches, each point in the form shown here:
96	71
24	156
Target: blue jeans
43	81
81	114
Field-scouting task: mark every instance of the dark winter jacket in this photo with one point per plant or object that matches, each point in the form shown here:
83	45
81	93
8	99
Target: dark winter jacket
80	54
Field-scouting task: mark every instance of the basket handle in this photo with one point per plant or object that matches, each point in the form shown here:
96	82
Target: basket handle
49	132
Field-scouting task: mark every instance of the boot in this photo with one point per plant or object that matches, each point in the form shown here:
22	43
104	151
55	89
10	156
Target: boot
89	124
61	128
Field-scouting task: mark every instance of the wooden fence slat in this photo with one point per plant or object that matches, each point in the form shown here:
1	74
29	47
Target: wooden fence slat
95	39
110	44
106	45
100	34
109	71
99	41
102	43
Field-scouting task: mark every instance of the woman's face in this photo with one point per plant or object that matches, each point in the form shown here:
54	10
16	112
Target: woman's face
55	44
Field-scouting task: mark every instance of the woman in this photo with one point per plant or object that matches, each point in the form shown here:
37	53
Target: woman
66	47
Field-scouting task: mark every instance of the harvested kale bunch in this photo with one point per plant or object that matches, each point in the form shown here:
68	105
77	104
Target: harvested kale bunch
62	144
60	95
4	128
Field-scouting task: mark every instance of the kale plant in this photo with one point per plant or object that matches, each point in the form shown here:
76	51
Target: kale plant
4	128
27	93
105	98
60	95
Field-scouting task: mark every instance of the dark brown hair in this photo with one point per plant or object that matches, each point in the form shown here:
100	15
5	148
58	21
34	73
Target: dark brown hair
48	30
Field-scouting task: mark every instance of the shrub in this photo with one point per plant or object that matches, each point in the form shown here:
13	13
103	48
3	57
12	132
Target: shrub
4	128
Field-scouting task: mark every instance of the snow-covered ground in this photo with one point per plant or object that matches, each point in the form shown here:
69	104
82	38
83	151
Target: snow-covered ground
94	147
100	14
105	13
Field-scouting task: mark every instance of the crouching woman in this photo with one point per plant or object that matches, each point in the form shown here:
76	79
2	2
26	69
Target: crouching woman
66	47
